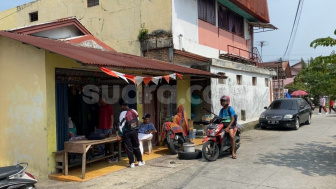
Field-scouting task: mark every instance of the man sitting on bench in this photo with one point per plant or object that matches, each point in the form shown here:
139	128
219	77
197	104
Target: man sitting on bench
145	131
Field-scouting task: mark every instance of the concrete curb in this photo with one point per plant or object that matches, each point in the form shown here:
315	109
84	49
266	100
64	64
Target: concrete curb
250	125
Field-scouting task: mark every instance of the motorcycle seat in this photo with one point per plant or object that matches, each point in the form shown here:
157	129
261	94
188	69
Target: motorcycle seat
9	170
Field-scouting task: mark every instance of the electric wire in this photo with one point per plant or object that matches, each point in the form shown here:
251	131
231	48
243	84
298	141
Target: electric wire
294	27
295	31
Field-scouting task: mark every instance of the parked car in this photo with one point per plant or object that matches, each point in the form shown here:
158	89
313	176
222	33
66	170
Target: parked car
289	112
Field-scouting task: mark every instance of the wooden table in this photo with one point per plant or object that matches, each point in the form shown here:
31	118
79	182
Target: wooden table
82	146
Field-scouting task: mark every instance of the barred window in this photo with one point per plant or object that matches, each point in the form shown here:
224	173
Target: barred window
206	11
91	3
230	21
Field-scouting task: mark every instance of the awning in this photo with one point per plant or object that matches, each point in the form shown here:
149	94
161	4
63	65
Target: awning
115	60
262	27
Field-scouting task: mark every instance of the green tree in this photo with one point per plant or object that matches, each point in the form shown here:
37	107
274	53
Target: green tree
320	74
318	77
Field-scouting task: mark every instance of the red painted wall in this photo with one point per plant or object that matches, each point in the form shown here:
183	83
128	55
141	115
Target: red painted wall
209	35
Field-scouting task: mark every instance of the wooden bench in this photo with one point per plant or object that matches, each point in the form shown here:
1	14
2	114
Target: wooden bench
82	147
59	158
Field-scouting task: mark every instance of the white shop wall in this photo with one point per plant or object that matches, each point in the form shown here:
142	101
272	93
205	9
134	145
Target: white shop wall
246	97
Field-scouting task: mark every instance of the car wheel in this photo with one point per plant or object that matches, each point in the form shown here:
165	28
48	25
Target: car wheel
297	124
309	120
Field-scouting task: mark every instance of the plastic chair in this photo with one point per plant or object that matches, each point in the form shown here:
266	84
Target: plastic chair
149	143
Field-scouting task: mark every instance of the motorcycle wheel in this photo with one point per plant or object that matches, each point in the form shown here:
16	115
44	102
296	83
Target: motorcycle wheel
173	147
210	151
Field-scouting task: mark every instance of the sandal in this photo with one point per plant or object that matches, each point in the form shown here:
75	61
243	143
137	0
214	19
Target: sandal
234	157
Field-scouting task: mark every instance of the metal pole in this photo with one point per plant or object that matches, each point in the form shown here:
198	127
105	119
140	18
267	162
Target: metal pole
280	62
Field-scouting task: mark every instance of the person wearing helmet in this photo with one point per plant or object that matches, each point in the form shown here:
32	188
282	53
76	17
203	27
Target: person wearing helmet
227	113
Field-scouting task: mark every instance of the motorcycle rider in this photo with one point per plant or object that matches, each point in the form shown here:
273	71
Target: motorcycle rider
227	113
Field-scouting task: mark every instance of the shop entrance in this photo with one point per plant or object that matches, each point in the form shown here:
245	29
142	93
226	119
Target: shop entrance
160	102
77	97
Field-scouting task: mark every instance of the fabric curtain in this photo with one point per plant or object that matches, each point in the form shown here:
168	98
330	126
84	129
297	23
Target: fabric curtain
231	22
61	115
238	26
211	16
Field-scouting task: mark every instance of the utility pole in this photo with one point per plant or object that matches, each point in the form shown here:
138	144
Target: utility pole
280	62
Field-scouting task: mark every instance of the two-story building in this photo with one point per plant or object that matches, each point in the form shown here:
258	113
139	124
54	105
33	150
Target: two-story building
210	35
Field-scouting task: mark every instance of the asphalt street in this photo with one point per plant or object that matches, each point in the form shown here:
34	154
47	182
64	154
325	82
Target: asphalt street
272	158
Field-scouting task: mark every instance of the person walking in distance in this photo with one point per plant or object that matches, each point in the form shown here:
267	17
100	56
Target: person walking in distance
322	105
128	132
331	105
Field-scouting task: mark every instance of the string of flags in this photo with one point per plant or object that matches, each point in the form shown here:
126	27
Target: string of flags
139	79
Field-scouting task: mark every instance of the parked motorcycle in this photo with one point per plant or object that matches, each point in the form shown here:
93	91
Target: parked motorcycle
217	141
15	177
174	137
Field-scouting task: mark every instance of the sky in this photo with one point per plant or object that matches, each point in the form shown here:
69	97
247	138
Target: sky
317	20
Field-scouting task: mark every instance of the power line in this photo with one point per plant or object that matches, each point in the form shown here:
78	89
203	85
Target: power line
294	35
294	26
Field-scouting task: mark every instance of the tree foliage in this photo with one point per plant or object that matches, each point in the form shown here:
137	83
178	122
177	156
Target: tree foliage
319	77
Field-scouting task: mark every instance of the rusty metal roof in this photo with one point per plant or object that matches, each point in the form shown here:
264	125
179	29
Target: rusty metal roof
91	56
285	68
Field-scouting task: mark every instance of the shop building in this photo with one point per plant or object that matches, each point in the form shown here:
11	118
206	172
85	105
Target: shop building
46	80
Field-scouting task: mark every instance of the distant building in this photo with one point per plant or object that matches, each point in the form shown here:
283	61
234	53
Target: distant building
283	73
295	70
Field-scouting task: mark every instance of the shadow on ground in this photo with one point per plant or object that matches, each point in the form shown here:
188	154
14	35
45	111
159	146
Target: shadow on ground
310	159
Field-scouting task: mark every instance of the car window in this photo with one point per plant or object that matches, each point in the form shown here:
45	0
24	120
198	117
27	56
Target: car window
284	105
303	103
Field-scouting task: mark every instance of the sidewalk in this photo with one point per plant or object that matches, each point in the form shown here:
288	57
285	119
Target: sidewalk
101	168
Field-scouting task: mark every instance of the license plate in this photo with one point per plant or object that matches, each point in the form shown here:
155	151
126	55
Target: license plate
273	122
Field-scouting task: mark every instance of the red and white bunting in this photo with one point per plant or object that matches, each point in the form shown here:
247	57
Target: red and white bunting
137	80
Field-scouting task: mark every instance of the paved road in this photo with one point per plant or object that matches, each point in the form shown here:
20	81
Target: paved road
266	159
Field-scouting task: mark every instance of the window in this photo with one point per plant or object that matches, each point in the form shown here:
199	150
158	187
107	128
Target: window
239	80
283	105
254	81
230	21
221	79
222	16
206	11
33	16
92	3
266	82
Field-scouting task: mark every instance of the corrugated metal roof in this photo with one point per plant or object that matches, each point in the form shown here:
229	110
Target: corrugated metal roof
285	68
102	58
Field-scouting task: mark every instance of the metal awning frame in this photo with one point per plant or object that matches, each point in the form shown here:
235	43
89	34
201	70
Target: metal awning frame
262	27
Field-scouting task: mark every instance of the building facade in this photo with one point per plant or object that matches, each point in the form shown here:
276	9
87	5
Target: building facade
211	35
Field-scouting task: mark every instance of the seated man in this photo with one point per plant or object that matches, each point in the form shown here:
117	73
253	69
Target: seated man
146	130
